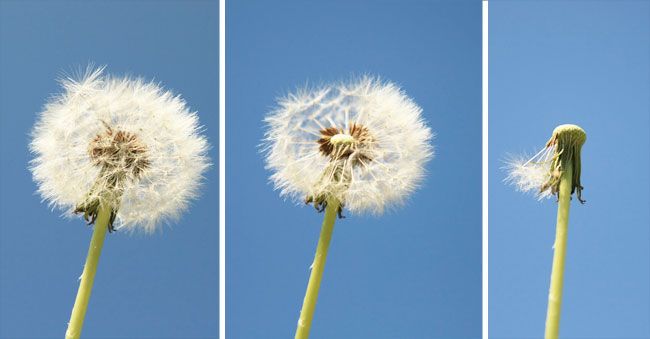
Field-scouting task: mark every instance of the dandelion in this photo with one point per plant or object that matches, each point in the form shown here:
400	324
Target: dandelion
122	152
554	171
358	147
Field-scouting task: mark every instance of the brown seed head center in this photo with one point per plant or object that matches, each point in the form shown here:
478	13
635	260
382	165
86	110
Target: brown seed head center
119	151
339	144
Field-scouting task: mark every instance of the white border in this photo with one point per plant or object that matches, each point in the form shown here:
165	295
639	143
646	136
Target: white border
222	169
485	169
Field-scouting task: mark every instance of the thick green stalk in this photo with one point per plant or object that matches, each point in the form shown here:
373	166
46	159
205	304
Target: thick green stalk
309	303
88	276
557	274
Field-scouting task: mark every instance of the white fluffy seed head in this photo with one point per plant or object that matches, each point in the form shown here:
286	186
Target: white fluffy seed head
122	141
362	142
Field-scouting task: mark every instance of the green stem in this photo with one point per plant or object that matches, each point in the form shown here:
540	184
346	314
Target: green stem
88	276
557	274
309	303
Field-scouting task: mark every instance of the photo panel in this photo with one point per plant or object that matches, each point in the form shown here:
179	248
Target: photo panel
370	110
569	241
109	117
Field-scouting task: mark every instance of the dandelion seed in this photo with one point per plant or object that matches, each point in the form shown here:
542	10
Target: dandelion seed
360	145
120	151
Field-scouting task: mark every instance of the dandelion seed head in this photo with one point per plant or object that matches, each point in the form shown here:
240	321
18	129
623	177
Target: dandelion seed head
541	173
362	142
120	141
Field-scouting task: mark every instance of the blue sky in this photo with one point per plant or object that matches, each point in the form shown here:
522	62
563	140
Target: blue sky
413	273
159	286
582	62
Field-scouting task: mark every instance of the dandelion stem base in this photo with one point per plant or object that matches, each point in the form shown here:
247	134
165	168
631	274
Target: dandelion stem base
557	274
88	276
311	296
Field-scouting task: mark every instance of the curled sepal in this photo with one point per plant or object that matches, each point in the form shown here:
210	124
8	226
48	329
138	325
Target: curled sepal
90	209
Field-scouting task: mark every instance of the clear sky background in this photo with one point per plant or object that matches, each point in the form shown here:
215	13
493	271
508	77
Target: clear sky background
413	273
160	286
582	62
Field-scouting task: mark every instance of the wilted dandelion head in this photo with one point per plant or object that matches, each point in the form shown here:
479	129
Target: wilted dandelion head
363	143
541	173
120	142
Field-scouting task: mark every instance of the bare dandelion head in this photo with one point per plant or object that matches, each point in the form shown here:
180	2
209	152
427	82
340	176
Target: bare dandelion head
541	173
120	142
362	143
